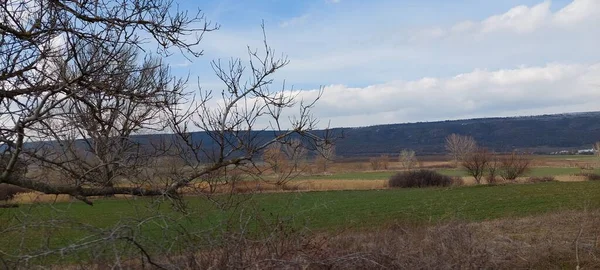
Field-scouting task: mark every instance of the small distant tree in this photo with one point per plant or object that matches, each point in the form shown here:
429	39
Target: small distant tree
285	159
325	156
407	159
274	158
296	154
514	165
492	170
476	163
460	146
381	162
596	147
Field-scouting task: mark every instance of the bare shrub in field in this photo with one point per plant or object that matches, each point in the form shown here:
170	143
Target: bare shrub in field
380	163
514	165
492	170
407	159
540	179
458	181
275	159
374	162
476	163
420	178
590	176
296	153
385	161
325	156
596	148
286	160
459	147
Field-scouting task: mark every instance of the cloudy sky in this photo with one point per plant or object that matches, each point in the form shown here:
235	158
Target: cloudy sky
418	60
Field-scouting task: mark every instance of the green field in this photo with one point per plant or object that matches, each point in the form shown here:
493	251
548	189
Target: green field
539	171
334	209
318	211
384	175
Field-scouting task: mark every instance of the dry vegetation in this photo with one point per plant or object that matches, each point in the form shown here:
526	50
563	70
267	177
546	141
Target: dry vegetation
566	240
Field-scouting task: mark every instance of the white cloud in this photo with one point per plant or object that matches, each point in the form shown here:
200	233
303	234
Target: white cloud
521	19
381	69
577	11
532	90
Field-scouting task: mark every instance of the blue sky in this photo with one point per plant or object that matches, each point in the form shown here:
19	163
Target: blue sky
405	61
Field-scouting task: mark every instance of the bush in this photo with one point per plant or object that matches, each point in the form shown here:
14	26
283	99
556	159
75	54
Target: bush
476	163
7	192
513	166
458	181
541	179
590	176
381	162
420	178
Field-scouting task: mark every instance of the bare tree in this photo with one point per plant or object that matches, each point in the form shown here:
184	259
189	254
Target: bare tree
407	159
63	56
79	81
493	168
296	152
380	162
285	159
596	148
325	155
274	157
460	146
476	163
95	147
514	165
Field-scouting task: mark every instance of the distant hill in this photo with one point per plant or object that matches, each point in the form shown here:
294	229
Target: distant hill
541	134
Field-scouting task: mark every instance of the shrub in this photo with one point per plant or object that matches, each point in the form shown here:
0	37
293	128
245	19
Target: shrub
476	163
381	162
7	192
407	159
458	181
420	178
541	179
513	166
590	176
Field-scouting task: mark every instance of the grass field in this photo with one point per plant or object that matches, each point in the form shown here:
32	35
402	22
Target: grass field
348	201
384	175
336	209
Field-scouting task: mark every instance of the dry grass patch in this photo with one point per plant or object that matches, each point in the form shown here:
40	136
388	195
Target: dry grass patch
37	197
566	240
300	185
340	184
570	178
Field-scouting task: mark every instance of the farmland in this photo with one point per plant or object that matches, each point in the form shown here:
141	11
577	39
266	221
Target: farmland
350	198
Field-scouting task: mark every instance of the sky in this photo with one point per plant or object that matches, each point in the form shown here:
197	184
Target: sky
382	62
